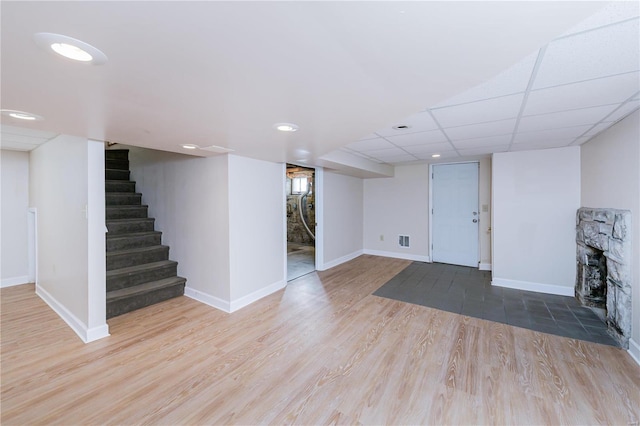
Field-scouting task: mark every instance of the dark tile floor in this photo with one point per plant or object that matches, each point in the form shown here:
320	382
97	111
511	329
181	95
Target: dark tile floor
468	291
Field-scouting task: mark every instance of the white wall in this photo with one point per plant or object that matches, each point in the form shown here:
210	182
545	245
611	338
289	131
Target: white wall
189	199
257	231
398	206
611	179
62	171
14	173
535	198
223	219
342	212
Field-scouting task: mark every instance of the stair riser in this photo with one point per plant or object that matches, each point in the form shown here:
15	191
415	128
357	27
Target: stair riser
116	154
143	225
116	174
123	306
123	199
114	244
121	281
126	213
116	164
133	259
120	186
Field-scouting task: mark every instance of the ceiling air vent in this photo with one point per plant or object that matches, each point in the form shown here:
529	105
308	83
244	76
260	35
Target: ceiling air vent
403	240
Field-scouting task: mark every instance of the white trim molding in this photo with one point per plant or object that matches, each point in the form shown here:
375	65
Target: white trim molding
257	295
207	299
484	266
405	256
340	260
86	334
234	305
10	282
537	287
634	350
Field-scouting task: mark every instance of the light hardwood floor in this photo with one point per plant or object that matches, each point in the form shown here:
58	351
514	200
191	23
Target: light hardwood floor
324	350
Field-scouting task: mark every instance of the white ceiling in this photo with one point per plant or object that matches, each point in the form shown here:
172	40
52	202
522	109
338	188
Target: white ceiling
565	93
222	73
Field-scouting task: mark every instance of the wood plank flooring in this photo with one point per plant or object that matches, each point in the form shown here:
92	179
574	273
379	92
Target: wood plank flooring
322	351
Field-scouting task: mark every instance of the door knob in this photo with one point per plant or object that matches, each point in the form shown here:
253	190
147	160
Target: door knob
475	220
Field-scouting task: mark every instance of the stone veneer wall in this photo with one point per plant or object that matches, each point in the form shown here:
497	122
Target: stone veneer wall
603	238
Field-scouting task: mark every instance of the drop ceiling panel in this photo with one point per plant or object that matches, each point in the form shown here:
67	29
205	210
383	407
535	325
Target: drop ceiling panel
623	111
389	152
429	149
484	150
421	138
419	122
494	128
541	144
483	142
613	12
570	118
16	146
602	91
597	129
603	52
370	144
479	112
513	80
550	135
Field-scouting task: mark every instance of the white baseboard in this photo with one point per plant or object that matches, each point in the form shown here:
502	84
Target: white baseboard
339	261
484	267
257	295
634	351
10	282
207	299
405	256
234	305
537	287
86	334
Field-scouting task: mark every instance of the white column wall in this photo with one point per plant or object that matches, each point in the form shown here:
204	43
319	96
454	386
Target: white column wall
62	171
342	204
535	198
257	230
14	173
610	165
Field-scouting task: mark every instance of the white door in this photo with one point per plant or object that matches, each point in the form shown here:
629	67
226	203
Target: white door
455	214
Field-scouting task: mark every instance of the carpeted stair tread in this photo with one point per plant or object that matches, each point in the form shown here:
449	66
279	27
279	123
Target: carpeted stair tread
135	250
130	234
140	289
139	268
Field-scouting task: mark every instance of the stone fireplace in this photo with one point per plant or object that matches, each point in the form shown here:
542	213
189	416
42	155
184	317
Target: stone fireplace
603	279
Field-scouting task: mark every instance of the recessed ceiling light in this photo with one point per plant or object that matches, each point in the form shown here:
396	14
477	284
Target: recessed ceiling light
21	115
70	48
401	127
190	146
435	156
286	127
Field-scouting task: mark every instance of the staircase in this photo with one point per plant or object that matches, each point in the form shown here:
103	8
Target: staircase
139	272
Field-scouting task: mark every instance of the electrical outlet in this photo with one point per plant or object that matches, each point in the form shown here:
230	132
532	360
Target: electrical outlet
381	237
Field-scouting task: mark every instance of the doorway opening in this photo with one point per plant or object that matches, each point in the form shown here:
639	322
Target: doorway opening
301	221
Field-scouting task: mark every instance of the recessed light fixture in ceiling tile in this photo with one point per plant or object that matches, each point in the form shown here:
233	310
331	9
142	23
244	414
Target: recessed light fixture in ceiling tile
401	127
435	156
189	146
21	115
286	127
70	48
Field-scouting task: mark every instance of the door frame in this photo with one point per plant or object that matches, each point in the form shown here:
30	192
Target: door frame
431	205
318	175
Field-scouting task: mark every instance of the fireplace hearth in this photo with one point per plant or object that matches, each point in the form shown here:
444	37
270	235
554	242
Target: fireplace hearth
603	276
